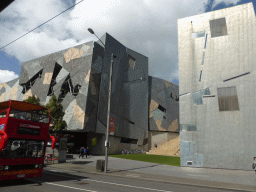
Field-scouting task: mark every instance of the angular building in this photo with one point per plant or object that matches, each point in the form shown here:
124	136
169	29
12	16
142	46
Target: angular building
163	111
79	77
217	70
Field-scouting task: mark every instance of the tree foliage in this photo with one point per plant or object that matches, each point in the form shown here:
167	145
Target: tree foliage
57	113
32	99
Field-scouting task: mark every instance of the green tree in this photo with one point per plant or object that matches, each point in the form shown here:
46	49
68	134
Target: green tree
57	113
32	99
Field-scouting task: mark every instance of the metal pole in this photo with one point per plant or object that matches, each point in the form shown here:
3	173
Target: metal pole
108	114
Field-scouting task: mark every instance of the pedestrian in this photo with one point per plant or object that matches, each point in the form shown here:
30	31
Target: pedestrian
85	152
81	152
254	164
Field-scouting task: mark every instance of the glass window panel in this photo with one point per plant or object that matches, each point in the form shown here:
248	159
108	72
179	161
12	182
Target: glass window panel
3	114
197	96
227	98
205	41
131	61
218	27
188	127
203	58
36	116
198	34
200	76
17	148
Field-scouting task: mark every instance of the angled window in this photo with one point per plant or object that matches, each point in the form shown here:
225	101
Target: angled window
128	140
131	61
197	96
198	34
200	76
203	58
188	127
218	27
205	40
227	97
161	108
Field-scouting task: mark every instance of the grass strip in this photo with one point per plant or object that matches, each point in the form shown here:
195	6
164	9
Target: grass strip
166	160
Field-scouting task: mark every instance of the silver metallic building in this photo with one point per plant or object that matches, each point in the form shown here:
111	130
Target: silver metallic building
217	88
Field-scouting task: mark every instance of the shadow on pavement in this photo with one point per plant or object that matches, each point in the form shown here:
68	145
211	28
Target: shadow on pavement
80	162
49	176
15	182
132	169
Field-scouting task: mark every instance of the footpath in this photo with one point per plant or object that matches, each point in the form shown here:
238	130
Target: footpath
215	178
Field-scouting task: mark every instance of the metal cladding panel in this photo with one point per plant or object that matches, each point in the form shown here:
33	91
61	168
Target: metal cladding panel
74	124
94	85
62	75
91	110
136	109
112	46
100	128
98	55
23	75
224	123
163	105
12	82
79	68
2	90
126	96
40	90
81	101
19	94
29	70
67	100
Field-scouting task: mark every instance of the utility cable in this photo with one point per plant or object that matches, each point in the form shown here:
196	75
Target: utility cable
41	24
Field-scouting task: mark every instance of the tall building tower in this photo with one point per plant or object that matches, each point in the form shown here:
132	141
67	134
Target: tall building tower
217	70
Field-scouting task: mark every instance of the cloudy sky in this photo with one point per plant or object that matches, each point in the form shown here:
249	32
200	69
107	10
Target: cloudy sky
146	26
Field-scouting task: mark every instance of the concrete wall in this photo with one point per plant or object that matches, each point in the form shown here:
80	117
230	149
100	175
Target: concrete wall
225	53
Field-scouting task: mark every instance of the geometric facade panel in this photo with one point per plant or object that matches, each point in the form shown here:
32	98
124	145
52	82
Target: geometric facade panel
163	105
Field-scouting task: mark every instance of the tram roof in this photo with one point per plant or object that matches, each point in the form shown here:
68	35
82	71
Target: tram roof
20	105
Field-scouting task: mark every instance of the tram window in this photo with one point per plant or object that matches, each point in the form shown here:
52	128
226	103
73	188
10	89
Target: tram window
3	114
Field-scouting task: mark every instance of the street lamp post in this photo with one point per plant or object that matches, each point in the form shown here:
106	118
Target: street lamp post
109	96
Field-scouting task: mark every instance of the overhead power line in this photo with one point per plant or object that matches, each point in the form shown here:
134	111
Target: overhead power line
41	25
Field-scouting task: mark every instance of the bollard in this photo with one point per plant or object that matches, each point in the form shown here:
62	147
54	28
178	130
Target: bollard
100	165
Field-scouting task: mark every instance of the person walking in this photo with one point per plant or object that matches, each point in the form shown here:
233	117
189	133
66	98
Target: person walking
81	152
254	164
85	152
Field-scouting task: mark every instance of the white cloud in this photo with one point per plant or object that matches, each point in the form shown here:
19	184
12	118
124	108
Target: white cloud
146	26
227	2
6	76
